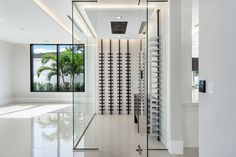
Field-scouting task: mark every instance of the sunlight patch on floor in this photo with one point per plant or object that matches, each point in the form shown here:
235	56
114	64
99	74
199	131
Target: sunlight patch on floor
36	111
14	108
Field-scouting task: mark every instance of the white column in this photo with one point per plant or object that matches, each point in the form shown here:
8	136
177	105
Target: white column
175	139
186	51
217	128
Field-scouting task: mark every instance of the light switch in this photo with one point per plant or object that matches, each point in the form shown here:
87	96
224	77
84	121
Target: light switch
211	87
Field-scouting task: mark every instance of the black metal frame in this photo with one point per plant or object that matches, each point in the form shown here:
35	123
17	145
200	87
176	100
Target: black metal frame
73	3
77	143
128	80
101	80
158	76
58	77
84	1
110	80
119	80
146	56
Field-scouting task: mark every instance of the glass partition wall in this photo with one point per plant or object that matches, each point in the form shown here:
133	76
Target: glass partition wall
157	76
146	100
83	102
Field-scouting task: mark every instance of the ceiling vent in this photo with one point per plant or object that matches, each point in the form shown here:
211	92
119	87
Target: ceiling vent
118	27
143	24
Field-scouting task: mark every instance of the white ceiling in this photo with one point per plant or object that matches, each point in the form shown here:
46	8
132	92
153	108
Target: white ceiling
22	21
99	15
101	21
115	2
25	21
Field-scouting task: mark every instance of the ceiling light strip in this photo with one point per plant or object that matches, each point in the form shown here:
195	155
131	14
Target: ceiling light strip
84	20
49	13
75	23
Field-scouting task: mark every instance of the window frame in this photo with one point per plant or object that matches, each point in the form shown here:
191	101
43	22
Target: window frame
58	76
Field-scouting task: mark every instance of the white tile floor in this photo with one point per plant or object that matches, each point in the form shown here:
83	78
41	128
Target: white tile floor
50	135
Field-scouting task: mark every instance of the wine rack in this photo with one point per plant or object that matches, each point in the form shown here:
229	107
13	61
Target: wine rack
128	80
119	80
110	80
101	80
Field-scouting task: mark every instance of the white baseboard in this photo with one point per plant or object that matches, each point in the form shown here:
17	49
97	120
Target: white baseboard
6	101
42	100
176	147
191	125
84	100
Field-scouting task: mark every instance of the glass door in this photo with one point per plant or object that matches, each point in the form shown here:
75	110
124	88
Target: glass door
84	75
117	33
157	77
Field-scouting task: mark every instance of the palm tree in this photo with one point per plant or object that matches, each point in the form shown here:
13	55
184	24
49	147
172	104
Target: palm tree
69	64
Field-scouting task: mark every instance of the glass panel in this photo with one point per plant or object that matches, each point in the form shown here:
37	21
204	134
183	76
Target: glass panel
118	51
67	67
157	76
44	68
84	75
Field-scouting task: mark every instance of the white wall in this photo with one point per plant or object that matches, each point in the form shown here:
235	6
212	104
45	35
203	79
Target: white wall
217	64
21	79
6	62
15	77
174	105
191	124
186	49
190	110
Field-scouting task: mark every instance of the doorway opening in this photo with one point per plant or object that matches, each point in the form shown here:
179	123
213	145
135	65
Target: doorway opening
124	110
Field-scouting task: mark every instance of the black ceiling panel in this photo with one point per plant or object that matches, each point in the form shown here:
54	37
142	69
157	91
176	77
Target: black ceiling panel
118	27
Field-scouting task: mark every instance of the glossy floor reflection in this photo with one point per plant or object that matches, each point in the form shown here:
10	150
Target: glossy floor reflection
188	152
117	136
113	135
105	129
36	131
50	134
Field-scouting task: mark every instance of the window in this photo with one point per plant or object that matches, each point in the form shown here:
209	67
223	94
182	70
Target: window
57	68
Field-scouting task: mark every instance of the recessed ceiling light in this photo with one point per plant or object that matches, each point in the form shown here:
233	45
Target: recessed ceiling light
119	17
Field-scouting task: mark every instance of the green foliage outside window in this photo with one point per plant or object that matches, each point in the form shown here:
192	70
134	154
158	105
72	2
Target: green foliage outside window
64	66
